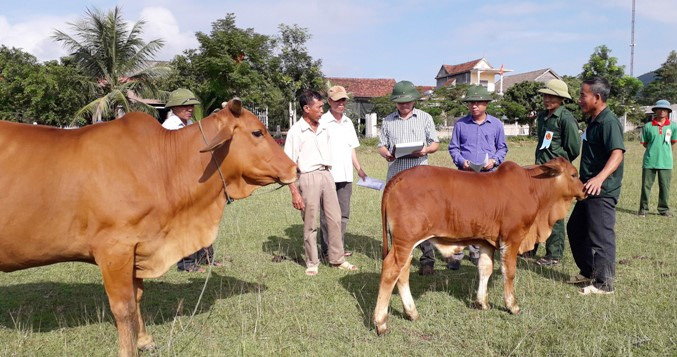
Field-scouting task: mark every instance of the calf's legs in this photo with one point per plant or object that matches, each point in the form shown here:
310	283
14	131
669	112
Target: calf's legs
392	270
144	341
485	267
508	267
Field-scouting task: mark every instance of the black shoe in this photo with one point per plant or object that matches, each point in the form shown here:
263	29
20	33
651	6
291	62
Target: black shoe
666	214
641	213
453	264
426	270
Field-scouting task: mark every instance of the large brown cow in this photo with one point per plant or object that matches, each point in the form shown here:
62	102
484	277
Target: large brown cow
127	195
510	209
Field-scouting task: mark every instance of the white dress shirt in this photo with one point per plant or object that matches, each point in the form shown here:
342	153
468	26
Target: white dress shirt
308	149
173	122
342	141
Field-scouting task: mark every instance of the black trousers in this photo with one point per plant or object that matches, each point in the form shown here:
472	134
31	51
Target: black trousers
593	239
201	257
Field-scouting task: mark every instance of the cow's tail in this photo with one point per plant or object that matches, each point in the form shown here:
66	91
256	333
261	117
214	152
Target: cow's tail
384	223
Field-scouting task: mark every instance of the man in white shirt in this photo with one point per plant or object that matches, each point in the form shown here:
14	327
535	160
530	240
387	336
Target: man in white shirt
342	143
307	144
181	104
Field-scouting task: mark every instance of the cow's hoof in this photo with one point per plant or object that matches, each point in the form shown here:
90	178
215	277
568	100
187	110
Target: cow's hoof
515	310
381	329
480	305
413	316
146	343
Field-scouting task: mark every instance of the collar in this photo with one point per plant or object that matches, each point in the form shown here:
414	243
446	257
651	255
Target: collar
665	123
413	114
600	116
557	113
488	119
305	126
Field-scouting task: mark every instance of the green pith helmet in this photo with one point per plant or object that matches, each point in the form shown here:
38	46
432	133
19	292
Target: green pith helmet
477	94
181	96
662	104
404	92
557	88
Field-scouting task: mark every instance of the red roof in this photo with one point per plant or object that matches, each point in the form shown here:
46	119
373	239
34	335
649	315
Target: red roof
460	68
365	87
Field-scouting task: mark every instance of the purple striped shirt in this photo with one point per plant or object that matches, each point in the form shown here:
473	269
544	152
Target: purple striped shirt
470	141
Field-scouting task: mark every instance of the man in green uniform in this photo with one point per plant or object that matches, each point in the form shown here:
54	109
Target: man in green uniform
557	137
591	231
658	137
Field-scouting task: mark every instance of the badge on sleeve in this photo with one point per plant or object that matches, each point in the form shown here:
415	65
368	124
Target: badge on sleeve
668	134
547	139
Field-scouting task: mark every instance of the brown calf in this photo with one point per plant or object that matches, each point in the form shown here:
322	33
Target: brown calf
510	209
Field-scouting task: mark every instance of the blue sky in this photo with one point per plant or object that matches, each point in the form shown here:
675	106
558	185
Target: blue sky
405	39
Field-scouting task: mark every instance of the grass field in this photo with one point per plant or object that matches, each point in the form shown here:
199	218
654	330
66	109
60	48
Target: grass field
254	306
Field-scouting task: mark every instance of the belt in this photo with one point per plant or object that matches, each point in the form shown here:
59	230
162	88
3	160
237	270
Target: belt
323	168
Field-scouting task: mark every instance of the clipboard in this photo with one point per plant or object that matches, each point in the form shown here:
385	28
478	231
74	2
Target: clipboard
405	149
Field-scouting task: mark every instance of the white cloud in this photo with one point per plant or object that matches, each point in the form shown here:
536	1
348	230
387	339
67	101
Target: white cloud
161	24
34	36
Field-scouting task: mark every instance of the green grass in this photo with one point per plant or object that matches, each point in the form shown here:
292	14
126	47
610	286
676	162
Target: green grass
254	306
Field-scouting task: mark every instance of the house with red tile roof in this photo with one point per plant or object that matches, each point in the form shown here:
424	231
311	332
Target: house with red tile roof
362	91
477	72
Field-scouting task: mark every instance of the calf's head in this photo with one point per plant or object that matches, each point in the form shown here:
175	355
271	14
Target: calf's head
248	155
566	181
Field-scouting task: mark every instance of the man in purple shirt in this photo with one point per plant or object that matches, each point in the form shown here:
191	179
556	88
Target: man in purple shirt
477	143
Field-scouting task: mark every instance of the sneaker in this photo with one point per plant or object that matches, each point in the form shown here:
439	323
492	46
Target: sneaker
579	279
426	270
641	213
453	264
591	289
547	262
666	214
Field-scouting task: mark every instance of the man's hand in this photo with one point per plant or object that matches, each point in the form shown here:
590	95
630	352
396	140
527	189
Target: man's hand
466	165
490	165
593	186
297	201
419	153
362	174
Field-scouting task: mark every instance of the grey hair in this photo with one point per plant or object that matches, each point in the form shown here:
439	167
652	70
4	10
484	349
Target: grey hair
599	85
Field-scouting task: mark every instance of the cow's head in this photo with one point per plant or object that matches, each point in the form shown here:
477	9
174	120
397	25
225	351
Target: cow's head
248	155
566	181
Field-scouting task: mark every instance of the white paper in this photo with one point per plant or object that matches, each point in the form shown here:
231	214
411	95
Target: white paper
478	167
404	149
373	183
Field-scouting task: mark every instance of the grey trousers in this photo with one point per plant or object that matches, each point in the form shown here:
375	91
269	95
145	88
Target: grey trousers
343	191
317	190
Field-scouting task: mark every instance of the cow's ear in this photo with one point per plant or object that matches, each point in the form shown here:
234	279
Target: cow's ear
221	137
235	106
551	170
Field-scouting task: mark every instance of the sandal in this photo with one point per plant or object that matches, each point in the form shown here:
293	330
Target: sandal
345	266
547	262
311	271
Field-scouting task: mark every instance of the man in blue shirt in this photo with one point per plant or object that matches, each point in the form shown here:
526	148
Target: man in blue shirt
478	139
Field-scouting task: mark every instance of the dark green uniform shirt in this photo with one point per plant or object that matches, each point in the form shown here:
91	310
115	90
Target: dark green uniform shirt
563	129
603	135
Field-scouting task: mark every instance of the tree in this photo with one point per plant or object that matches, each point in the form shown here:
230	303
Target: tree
42	93
522	101
624	88
664	85
115	60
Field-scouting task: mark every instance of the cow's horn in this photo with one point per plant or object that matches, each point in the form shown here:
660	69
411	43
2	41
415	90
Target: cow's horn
235	106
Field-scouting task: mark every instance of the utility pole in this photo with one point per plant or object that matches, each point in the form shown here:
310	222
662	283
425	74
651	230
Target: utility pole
632	39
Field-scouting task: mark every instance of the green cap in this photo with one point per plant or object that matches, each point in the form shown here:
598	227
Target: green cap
557	88
404	92
181	96
662	104
477	94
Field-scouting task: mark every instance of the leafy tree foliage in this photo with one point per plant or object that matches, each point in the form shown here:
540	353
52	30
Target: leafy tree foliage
624	88
264	71
664	85
42	93
522	101
115	60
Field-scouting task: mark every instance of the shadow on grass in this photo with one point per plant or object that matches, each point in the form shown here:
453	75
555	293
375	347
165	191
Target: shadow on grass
48	306
291	246
460	284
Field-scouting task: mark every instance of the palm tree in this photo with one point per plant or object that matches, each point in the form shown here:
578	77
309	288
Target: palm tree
115	61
